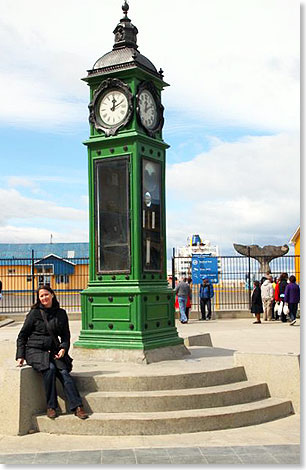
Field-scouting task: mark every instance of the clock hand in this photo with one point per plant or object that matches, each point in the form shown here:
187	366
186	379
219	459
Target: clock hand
114	104
117	104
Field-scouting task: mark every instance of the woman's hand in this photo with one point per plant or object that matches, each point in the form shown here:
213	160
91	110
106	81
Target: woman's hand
20	362
60	354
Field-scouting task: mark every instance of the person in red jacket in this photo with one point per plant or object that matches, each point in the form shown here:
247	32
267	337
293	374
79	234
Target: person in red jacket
276	292
276	299
188	305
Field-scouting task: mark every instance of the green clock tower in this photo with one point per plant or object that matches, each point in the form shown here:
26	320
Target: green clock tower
128	304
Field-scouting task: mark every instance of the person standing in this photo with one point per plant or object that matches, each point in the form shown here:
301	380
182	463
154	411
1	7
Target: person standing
0	289
274	283
188	305
256	305
183	291
267	296
206	294
292	297
283	281
38	344
277	299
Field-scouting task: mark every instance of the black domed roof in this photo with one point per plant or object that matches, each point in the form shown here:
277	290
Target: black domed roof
124	56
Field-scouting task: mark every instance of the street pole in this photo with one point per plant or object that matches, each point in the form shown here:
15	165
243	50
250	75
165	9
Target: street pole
173	268
249	262
33	278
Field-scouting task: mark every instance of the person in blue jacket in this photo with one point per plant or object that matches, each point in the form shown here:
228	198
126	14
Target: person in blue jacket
206	294
292	297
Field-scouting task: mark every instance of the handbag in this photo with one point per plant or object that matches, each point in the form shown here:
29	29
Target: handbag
280	308
66	358
286	309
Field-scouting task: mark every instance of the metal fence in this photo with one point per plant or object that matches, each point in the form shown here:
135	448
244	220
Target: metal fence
21	278
236	275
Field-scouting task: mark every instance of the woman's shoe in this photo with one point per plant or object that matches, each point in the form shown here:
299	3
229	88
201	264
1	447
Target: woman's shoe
51	413
80	413
256	321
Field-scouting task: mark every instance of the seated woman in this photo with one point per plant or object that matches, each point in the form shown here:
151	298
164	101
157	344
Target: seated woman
38	343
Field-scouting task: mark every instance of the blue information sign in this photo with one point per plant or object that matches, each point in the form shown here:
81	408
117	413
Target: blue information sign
203	266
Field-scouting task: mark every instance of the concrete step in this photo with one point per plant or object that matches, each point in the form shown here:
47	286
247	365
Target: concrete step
88	382
170	422
170	400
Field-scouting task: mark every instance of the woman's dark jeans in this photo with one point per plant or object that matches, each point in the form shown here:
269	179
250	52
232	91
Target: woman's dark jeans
71	392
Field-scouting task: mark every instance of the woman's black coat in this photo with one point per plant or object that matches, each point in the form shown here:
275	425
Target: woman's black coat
282	288
34	343
256	306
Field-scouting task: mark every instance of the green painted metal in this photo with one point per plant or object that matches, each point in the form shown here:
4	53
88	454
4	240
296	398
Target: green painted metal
132	310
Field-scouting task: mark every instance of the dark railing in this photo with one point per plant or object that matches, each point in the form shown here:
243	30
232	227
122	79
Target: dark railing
21	278
236	275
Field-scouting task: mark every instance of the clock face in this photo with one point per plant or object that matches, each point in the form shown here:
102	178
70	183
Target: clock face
112	108
147	110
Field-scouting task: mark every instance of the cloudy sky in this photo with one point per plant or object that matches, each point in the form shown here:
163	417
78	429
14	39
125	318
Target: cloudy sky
231	115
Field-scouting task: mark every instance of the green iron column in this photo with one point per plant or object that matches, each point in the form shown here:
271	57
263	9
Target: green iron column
128	303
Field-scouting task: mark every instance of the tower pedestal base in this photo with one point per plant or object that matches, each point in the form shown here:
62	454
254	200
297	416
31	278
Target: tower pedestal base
140	356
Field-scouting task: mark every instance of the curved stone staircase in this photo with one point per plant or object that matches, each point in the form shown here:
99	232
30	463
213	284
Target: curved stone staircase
179	402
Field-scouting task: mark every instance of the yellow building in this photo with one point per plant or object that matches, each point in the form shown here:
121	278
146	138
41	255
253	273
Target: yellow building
295	241
64	266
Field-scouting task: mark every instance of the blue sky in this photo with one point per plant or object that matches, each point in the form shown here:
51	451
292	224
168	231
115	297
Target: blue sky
231	119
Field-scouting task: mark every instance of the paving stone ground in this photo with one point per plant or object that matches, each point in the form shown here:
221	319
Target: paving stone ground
275	442
274	454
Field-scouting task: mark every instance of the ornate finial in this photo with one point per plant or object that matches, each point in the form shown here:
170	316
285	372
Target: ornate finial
125	8
125	32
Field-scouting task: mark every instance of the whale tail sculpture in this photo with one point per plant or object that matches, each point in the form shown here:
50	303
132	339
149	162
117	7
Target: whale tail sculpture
263	254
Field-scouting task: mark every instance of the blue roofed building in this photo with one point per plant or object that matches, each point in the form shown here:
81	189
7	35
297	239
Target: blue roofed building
64	266
63	250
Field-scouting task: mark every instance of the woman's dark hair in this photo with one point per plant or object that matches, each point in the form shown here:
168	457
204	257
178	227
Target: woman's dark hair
283	277
55	302
256	283
292	278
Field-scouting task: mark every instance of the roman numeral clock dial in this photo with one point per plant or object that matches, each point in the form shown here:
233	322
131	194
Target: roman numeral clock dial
149	108
111	108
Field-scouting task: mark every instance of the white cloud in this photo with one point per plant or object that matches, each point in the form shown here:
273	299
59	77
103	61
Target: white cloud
24	234
20	207
240	168
237	191
19	181
28	220
232	62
